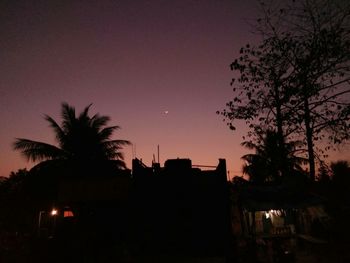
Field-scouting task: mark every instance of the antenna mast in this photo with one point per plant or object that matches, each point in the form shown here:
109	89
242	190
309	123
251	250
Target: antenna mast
158	152
133	151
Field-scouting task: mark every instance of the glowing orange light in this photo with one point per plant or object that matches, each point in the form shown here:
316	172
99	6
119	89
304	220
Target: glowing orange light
68	213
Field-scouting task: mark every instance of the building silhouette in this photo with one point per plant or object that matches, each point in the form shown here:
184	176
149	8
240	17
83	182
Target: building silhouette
175	211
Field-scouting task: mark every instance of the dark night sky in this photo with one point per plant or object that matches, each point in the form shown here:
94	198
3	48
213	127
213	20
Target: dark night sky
133	60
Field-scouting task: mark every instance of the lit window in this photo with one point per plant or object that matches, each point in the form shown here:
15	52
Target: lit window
68	213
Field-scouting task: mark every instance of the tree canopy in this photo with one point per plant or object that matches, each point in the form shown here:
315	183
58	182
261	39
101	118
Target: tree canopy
265	164
81	139
295	80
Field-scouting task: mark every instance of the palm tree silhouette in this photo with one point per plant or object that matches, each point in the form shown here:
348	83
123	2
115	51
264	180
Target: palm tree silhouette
82	141
265	165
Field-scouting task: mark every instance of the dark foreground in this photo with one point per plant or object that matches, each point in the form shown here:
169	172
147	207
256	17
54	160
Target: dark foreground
27	250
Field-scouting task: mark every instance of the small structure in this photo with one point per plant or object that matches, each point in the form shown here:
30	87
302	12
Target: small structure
273	218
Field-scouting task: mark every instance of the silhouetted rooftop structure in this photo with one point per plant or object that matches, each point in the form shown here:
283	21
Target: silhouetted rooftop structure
176	210
181	209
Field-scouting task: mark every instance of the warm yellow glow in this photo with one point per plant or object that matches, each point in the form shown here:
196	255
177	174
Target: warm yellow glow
54	212
276	212
267	214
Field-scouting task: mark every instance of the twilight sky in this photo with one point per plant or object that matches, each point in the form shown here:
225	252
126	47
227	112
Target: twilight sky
133	60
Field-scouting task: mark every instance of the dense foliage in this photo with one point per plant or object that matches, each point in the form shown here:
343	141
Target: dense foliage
81	139
296	80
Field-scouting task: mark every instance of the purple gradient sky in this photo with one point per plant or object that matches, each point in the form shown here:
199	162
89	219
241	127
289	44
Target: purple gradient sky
133	60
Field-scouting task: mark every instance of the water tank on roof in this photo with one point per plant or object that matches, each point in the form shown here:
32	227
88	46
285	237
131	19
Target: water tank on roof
178	164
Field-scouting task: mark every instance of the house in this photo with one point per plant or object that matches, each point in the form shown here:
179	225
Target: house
272	219
176	211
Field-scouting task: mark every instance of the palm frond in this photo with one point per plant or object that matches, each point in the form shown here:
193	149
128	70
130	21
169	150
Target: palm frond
249	145
119	142
118	164
85	113
59	133
246	169
118	156
68	116
98	121
250	158
37	151
107	132
112	148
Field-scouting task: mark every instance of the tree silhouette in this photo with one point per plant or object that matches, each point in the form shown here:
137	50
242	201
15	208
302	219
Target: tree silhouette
341	173
265	164
295	79
320	56
14	203
323	173
262	92
81	140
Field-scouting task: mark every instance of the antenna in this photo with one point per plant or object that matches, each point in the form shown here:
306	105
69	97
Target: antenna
133	149
158	152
